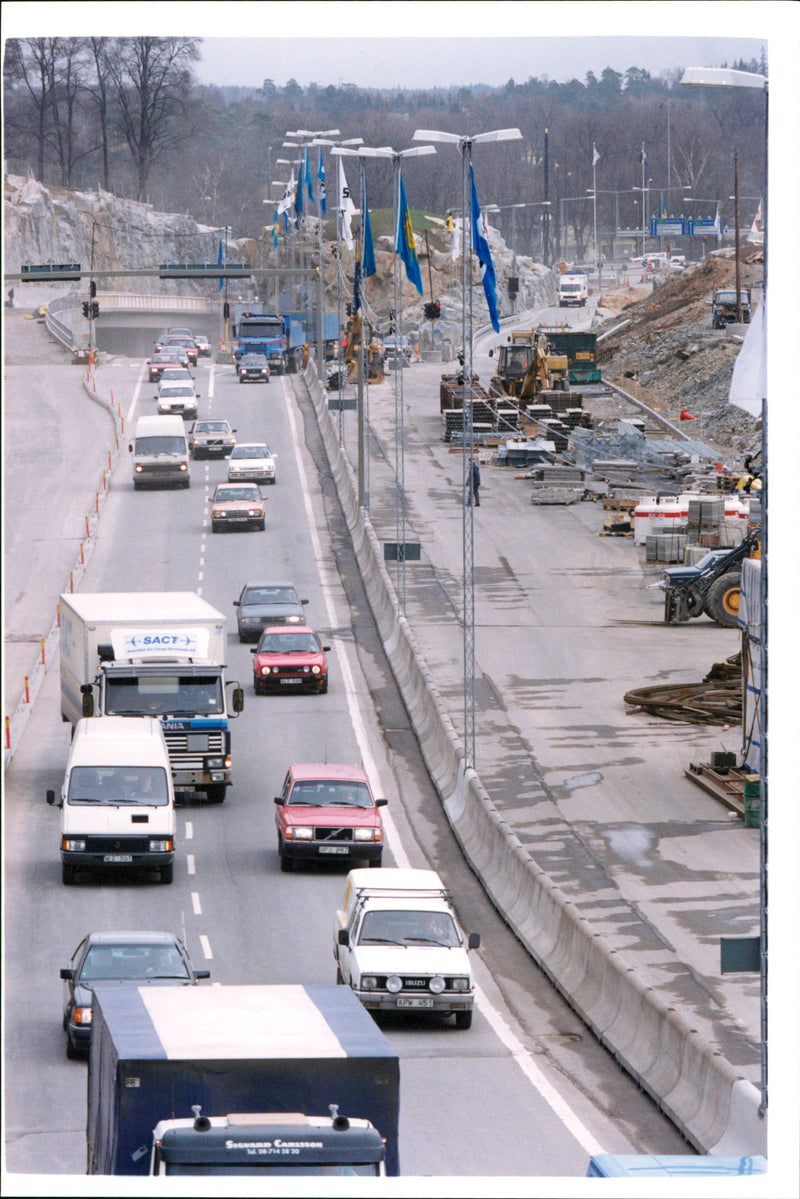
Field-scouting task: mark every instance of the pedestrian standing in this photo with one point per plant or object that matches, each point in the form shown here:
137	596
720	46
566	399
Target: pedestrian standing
11	297
474	484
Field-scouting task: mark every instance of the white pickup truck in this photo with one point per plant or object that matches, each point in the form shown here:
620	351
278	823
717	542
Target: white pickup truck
398	946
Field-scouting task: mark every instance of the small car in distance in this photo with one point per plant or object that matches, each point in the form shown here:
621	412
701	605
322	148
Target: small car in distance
163	360
211	439
327	811
203	345
253	368
262	604
251	460
187	344
123	958
175	374
238	506
290	656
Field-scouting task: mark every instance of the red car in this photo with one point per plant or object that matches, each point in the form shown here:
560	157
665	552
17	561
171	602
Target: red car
290	656
187	344
328	811
164	359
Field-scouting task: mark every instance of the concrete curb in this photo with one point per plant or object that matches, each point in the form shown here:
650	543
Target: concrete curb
713	1106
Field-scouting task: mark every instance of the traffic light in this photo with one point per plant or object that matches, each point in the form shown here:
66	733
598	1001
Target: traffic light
433	310
92	289
226	311
95	309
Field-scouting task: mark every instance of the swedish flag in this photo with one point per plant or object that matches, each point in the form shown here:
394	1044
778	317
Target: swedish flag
404	241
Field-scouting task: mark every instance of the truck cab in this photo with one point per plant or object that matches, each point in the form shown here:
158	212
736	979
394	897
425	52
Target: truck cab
723	307
573	291
278	1144
398	946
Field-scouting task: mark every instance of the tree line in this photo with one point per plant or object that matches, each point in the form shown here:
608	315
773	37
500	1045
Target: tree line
129	115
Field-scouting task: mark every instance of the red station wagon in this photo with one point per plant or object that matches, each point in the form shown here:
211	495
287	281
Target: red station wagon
327	812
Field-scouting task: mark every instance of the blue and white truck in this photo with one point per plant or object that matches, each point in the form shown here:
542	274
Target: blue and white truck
177	1080
282	336
154	653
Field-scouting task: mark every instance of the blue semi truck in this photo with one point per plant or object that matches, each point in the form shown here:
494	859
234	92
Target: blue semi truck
233	1056
280	336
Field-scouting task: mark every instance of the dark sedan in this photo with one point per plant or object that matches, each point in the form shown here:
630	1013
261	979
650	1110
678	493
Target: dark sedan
262	604
127	958
253	368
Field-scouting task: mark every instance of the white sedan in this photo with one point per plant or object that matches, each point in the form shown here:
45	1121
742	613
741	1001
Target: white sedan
253	461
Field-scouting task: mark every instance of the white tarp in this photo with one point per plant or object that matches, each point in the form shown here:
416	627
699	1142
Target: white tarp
749	382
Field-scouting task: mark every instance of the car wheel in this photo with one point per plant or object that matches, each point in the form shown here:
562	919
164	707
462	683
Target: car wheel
464	1019
67	875
214	527
187	482
73	1053
258	689
262	527
324	688
166	873
216	793
287	865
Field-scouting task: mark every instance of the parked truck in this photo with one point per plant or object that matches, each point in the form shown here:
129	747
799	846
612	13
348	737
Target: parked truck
234	1052
398	946
580	348
154	653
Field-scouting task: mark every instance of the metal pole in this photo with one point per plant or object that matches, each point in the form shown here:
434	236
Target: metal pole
399	433
546	238
736	237
468	449
320	287
363	498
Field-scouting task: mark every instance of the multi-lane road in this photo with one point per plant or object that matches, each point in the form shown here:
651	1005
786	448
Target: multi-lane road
526	1091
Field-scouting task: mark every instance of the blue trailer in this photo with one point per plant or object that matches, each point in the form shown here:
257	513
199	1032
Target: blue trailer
156	1055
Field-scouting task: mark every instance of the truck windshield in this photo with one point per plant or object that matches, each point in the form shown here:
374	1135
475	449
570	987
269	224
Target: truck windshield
160	445
408	928
268	330
145	785
164	695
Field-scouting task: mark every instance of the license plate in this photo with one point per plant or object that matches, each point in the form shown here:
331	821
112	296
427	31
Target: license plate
334	849
118	857
415	1001
291	682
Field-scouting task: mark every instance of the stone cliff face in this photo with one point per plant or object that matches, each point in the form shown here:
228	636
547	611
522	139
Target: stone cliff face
51	224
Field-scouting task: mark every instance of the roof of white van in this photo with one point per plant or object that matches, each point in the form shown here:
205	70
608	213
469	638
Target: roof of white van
396	880
139	738
152	426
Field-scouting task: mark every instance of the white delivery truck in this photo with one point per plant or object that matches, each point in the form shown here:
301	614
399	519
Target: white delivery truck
573	291
398	946
117	802
154	653
160	452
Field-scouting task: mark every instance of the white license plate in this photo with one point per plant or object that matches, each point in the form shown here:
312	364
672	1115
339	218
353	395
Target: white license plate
118	857
415	1001
334	849
291	682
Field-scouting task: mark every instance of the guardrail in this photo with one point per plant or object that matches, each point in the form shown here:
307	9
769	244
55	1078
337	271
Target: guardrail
62	329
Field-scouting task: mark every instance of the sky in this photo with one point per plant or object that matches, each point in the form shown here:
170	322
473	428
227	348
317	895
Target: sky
421	45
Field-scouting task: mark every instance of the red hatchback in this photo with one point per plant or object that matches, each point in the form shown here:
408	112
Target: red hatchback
327	811
290	656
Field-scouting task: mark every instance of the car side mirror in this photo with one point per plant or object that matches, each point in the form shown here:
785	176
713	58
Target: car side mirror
381	803
237	700
253	649
303	601
474	941
343	936
280	800
202	974
237	603
326	649
66	973
50	796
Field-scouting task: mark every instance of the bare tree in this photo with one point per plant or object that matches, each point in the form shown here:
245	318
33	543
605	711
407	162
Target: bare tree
152	84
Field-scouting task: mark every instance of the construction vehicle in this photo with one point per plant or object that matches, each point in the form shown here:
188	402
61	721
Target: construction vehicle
373	354
723	307
713	586
527	366
580	347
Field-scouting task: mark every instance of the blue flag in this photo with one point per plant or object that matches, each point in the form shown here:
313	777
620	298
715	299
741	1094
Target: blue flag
309	184
221	262
369	267
275	229
323	207
298	200
404	241
481	247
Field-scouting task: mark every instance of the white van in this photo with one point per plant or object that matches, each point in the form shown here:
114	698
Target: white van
117	802
572	290
177	397
160	451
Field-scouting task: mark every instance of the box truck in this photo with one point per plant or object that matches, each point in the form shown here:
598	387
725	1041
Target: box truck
157	1054
154	653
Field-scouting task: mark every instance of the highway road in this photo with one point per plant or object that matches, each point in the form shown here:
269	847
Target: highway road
527	1091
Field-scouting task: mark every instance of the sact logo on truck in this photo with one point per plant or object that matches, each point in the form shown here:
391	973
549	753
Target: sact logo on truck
137	643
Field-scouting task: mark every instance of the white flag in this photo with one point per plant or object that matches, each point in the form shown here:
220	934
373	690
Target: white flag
287	199
456	251
595	155
346	208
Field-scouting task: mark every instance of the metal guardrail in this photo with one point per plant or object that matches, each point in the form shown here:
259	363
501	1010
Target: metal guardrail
62	330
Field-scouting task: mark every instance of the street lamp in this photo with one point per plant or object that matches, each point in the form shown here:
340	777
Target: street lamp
464	144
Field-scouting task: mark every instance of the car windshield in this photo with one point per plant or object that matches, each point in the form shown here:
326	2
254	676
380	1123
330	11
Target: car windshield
289	643
172	393
145	785
250	451
408	928
166	695
132	962
254	360
270	595
160	445
212	426
228	494
327	793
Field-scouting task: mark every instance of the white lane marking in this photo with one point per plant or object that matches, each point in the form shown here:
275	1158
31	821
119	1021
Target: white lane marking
189	833
196	908
500	1027
210	381
190	863
206	944
135	398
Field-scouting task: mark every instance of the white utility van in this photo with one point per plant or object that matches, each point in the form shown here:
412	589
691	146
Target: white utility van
572	290
160	452
175	397
117	802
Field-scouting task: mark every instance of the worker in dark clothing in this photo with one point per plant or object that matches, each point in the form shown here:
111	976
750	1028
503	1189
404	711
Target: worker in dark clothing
474	483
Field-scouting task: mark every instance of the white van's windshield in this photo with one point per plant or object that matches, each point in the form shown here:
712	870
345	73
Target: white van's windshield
160	445
146	785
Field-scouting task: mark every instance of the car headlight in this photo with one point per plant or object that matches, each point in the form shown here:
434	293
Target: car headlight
219	512
161	845
366	834
460	984
369	982
254	512
315	669
72	845
437	984
300	832
82	1015
394	983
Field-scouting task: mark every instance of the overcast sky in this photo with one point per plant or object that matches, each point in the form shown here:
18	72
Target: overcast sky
419	45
